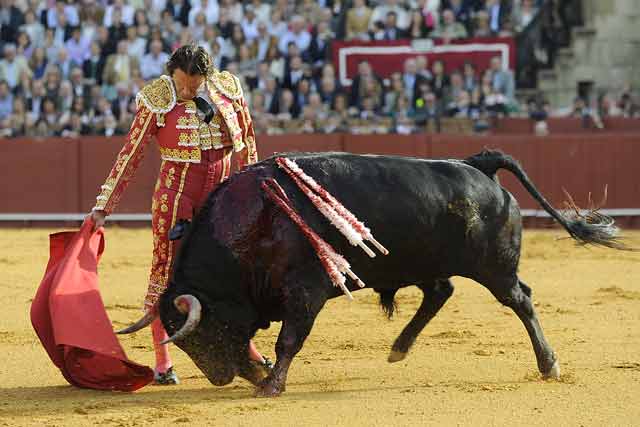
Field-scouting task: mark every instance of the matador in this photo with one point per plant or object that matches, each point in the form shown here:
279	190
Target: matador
199	118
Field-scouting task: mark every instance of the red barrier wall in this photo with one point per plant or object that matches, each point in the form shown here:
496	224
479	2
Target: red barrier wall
63	176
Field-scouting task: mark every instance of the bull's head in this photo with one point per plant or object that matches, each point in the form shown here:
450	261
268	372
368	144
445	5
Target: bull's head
214	335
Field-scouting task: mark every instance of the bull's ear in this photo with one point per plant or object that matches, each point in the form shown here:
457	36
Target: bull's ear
180	229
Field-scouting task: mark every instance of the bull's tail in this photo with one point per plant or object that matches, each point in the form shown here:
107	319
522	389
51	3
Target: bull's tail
590	227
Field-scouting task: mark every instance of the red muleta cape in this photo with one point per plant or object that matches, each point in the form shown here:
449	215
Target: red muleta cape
69	317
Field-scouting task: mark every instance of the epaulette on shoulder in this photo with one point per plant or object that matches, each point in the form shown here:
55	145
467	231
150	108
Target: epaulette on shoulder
159	96
226	83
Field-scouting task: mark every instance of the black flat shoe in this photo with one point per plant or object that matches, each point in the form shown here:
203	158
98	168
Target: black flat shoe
166	378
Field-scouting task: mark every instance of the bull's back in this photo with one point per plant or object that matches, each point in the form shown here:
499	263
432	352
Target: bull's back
434	216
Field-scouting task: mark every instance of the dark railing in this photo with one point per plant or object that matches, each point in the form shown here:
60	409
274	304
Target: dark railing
538	43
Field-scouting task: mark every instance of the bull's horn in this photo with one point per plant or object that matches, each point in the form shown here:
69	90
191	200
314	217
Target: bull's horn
146	320
193	312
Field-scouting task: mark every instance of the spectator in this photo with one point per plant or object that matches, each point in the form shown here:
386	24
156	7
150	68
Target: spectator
118	29
418	29
75	127
357	22
61	31
64	63
391	30
450	28
65	97
627	104
170	28
233	9
119	66
371	88
302	92
51	116
357	86
76	47
249	24
6	100
24	46
18	122
153	10
53	78
12	66
340	106
461	11
287	108
136	45
482	28
422	67
319	47
152	64
33	28
368	109
411	79
271	96
402	115
76	81
11	18
247	64
264	41
41	130
502	79
297	34
277	26
89	27
38	62
328	90
523	13
427	111
440	82
397	90
380	12
469	76
456	85
93	66
209	8
120	105
179	11
35	100
277	67
496	15
62	14
237	39
262	10
294	74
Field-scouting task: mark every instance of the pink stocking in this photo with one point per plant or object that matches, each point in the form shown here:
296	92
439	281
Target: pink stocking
254	354
163	360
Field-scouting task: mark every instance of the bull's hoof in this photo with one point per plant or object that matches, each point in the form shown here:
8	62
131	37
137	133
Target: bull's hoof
553	373
268	390
396	356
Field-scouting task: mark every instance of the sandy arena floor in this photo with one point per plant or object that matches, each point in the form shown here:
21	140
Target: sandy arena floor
473	365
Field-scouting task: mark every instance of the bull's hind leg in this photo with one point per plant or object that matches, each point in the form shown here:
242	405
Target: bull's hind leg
435	294
516	294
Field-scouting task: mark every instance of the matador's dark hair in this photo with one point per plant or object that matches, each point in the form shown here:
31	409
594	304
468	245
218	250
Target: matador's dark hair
191	59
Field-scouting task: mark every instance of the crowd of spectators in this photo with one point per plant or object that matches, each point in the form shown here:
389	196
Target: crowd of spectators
71	68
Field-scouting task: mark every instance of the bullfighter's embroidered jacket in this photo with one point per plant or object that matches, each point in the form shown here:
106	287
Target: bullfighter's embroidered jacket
180	133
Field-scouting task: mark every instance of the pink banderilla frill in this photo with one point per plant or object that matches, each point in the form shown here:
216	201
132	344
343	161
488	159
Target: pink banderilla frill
345	221
334	264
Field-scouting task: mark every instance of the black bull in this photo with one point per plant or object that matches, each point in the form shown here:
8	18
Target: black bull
243	263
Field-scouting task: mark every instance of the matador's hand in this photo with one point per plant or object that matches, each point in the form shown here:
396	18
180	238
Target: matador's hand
98	218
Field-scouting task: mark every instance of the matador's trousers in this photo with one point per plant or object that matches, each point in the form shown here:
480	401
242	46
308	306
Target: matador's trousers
180	191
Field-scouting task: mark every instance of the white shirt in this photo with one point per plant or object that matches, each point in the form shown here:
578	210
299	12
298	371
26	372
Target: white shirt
302	40
211	13
128	14
151	66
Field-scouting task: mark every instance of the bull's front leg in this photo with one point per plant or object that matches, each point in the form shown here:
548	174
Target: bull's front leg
296	326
